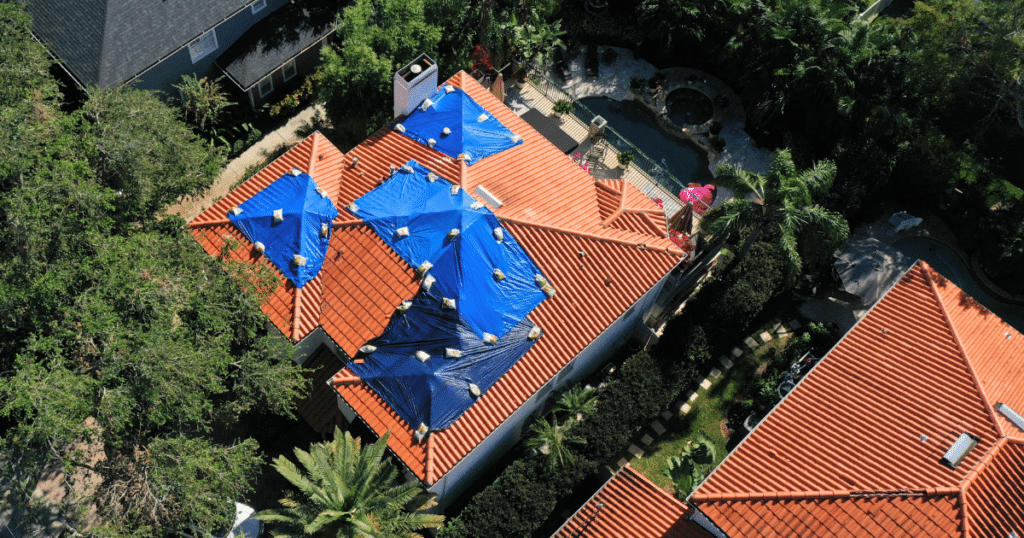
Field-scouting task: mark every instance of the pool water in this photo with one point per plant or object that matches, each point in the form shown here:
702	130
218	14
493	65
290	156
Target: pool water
949	264
689	107
638	125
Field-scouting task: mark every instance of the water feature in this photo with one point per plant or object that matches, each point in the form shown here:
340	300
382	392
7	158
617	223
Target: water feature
689	107
637	124
948	263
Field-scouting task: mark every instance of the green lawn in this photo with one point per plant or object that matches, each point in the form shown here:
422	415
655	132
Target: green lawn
708	416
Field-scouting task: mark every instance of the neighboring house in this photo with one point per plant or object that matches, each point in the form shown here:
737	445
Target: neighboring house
909	427
631	506
580	261
264	63
149	44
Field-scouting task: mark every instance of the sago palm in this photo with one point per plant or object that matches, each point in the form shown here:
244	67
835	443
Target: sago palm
549	439
348	492
781	202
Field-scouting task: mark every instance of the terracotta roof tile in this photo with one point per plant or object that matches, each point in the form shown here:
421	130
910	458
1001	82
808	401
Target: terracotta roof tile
631	506
551	208
875	417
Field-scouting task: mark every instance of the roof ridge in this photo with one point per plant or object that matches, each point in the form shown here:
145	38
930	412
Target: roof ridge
986	458
640	246
824	494
927	271
312	153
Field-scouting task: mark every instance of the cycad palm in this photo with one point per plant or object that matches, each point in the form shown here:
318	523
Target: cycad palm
577	402
349	492
549	438
782	202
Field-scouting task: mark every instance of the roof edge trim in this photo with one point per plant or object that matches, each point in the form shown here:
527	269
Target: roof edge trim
963	351
522	222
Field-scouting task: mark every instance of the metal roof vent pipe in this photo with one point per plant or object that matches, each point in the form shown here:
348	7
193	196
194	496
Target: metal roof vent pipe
414	83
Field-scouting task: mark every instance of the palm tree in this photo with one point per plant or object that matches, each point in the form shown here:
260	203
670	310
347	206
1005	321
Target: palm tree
548	438
782	202
350	492
577	402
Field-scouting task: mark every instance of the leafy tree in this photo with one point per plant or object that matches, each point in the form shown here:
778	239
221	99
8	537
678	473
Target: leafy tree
380	36
782	203
145	153
349	491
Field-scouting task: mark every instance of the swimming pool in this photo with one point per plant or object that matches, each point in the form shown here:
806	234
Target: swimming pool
689	107
637	124
947	262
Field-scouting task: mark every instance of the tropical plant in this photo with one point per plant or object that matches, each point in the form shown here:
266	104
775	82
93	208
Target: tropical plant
577	402
349	491
563	106
202	100
782	203
549	438
692	465
626	157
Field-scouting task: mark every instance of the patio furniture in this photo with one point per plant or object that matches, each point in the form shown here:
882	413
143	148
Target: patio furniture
591	63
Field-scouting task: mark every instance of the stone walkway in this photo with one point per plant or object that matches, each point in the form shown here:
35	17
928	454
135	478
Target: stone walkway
683	405
300	126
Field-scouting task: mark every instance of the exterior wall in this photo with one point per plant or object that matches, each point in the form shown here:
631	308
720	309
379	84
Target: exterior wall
455	481
305	63
166	73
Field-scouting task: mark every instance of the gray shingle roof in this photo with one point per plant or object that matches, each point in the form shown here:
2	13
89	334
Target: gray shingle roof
275	40
105	42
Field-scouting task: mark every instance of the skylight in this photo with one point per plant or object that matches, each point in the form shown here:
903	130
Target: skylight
960	449
1011	415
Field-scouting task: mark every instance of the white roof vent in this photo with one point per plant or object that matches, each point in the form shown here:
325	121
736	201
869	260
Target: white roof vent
961	447
487	196
1011	415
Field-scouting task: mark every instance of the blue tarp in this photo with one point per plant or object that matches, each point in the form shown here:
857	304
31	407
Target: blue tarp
474	131
426	210
463	266
303	212
436	392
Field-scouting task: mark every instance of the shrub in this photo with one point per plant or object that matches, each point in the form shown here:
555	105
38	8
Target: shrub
823	336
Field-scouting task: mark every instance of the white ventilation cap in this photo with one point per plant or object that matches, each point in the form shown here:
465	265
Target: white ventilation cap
278	215
487	196
1011	415
961	447
299	260
446	131
416	69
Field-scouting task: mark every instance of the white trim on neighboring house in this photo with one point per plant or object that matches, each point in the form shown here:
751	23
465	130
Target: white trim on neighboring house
258	6
284	70
203	45
269	81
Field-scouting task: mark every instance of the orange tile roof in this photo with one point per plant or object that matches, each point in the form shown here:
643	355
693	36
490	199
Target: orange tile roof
624	207
855	449
551	208
631	506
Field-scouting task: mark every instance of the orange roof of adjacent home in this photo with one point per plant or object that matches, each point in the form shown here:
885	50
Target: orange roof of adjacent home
856	449
551	207
631	506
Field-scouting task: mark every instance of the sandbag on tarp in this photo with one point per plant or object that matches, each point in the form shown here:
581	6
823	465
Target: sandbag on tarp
415	213
298	229
437	391
474	132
